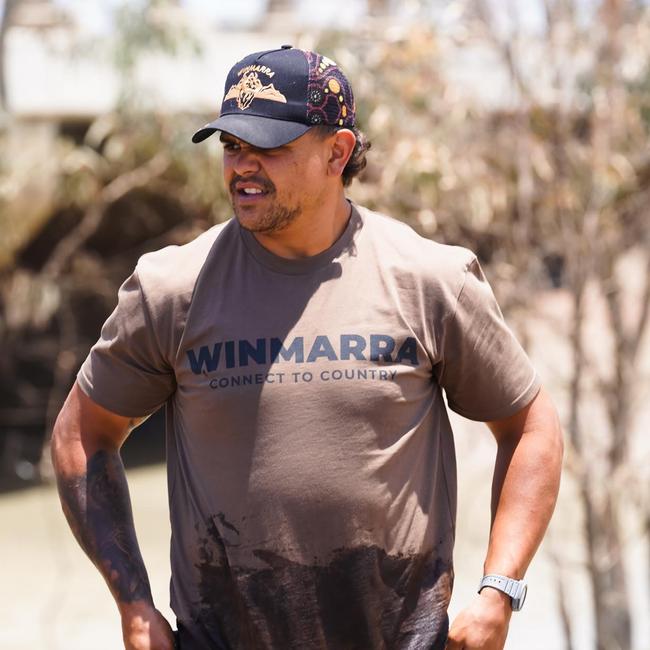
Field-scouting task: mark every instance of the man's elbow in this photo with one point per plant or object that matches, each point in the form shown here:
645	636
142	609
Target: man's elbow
83	428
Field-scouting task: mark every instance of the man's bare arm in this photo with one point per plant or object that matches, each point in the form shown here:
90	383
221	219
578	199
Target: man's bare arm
524	491
95	499
525	485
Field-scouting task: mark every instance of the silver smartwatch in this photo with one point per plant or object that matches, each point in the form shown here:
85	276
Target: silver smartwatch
516	589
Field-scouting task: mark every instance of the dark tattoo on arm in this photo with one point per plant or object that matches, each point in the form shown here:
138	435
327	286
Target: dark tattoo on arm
98	509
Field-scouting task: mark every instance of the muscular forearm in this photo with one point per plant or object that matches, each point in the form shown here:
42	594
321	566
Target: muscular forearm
524	489
97	506
95	500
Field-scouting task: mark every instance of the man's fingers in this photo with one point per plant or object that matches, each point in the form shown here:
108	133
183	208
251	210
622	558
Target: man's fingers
452	644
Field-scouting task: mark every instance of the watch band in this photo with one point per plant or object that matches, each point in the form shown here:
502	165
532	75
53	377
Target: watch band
516	589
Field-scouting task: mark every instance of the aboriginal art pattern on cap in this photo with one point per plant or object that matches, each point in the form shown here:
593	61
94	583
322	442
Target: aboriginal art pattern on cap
329	96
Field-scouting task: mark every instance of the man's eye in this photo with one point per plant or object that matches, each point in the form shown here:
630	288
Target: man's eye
230	146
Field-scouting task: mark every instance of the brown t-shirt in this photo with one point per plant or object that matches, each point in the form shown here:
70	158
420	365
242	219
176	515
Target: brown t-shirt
312	477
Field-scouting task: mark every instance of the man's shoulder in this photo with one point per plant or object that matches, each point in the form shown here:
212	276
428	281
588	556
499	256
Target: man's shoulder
399	244
174	269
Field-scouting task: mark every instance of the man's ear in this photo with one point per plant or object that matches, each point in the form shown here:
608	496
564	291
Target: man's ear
342	147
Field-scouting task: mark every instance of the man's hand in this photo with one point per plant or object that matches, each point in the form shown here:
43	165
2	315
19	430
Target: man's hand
145	628
483	625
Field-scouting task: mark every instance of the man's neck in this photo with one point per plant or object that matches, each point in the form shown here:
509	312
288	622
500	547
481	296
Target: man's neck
309	235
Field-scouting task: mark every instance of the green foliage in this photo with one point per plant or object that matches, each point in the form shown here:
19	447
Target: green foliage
143	28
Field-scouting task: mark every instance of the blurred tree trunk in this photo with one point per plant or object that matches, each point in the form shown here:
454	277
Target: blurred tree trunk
279	5
607	574
379	7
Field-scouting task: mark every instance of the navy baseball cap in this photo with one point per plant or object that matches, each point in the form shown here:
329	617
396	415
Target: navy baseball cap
275	96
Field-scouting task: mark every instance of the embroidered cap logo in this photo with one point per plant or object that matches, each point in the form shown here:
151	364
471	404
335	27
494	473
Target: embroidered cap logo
249	87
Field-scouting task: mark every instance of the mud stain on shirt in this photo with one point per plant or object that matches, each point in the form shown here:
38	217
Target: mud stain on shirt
362	599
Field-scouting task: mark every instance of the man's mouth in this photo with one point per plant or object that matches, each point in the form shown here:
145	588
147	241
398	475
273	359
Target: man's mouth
250	188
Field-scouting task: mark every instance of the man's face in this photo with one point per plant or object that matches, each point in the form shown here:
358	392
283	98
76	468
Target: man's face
271	188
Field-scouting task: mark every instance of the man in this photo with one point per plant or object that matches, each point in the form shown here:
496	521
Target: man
301	350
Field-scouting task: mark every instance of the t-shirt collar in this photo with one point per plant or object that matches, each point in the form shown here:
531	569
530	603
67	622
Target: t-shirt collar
303	265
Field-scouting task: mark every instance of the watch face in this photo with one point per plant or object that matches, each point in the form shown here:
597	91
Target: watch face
518	603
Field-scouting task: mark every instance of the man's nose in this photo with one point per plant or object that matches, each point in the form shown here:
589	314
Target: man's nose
245	161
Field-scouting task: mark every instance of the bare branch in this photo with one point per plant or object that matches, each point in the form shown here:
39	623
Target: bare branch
565	616
644	316
577	350
92	219
503	46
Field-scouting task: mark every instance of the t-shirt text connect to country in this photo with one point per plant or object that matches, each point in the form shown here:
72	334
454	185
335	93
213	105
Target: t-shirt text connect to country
377	348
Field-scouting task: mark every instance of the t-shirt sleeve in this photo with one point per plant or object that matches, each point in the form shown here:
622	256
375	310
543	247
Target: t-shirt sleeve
483	369
126	371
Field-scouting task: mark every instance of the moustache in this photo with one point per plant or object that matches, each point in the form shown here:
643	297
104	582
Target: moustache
266	185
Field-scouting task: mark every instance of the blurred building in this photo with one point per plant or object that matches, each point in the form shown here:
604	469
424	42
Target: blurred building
57	72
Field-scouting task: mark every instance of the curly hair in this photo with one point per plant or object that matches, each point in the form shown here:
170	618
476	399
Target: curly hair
357	161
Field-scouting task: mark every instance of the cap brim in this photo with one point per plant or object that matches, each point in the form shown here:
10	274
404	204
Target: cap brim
261	132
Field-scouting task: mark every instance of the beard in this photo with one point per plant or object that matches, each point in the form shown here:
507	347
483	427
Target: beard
277	216
275	219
